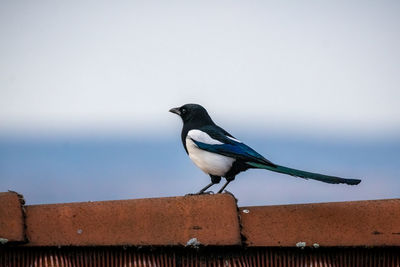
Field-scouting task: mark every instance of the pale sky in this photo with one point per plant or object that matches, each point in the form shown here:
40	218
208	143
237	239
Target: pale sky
270	69
117	65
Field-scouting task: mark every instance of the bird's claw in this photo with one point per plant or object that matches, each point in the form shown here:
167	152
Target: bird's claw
200	193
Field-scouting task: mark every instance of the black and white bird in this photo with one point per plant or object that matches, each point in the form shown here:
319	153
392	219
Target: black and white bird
217	153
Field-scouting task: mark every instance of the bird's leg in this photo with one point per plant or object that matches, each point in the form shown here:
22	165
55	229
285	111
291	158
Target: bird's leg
214	180
205	188
228	180
222	189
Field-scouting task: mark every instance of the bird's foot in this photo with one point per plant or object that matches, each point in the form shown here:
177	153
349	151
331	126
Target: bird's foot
229	193
200	193
225	192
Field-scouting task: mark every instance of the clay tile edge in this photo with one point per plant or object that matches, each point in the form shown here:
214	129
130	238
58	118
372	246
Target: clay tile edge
12	218
210	220
353	223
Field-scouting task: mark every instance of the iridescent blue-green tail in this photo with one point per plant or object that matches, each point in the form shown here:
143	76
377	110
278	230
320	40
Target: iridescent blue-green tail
304	174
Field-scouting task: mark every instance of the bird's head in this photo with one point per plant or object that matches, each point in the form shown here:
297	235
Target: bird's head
193	113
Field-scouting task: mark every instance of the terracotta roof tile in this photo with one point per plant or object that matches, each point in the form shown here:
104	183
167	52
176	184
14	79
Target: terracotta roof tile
11	218
357	223
212	220
208	219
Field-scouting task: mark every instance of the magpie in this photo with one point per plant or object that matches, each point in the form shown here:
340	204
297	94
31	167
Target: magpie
217	153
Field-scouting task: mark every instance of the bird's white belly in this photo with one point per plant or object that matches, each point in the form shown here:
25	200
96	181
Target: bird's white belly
210	163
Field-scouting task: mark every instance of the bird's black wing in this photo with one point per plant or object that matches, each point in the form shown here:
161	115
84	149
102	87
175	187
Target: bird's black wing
230	146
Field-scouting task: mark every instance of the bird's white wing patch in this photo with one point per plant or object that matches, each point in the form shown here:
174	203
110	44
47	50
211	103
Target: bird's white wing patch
210	163
203	137
234	139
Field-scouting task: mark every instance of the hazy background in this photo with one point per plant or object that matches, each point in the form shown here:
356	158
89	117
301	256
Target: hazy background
85	87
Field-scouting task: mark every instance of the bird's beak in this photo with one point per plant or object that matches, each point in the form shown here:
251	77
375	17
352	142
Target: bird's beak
176	111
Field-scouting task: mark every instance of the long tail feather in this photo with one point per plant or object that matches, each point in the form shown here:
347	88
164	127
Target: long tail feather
306	175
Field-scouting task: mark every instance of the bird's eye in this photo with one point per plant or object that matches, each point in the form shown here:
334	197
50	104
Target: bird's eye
183	110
